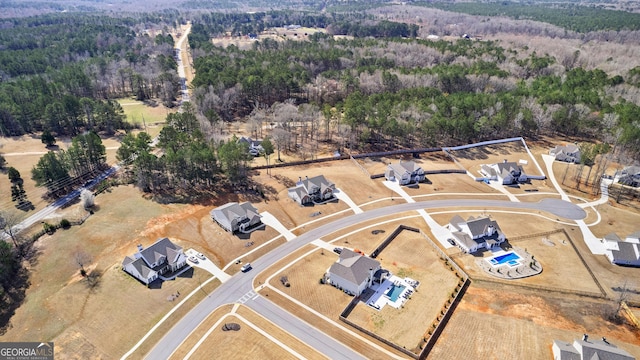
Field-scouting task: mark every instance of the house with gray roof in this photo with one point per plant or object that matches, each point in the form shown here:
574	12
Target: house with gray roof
353	272
312	190
588	349
630	176
161	258
475	234
505	173
407	172
235	217
255	146
623	252
567	153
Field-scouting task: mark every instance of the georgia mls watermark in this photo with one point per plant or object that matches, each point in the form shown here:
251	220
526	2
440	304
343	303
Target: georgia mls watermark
26	351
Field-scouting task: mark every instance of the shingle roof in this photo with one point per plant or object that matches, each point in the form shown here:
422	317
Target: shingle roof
160	249
567	351
353	267
479	226
612	237
626	252
233	210
597	349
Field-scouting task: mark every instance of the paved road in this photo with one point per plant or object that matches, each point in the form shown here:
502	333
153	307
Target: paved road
51	208
240	286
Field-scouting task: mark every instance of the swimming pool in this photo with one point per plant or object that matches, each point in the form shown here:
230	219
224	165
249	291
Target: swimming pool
510	258
394	292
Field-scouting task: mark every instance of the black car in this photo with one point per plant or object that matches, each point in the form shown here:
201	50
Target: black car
451	242
337	250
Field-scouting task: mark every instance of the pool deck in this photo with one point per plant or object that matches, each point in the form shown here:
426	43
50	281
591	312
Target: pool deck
528	266
378	300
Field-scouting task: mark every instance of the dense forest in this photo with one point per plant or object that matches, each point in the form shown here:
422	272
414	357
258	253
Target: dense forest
60	72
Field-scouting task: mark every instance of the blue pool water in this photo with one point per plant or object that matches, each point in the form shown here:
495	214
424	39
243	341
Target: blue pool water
394	292
510	258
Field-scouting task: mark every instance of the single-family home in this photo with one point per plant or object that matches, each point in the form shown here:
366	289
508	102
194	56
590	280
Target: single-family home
567	153
152	263
255	146
353	272
407	172
630	175
475	233
312	190
234	217
623	252
588	349
505	173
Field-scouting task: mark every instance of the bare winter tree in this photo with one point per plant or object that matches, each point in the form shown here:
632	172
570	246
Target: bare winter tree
8	225
87	198
281	137
81	259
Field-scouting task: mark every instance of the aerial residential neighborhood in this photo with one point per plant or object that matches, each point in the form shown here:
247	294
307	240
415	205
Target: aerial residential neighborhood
319	180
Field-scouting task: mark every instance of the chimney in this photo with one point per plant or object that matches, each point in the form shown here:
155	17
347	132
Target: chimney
585	337
307	178
140	248
299	178
504	161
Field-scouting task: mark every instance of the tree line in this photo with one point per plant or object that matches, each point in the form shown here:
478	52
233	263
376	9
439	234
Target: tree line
60	72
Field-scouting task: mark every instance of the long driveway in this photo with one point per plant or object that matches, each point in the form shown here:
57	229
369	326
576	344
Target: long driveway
240	286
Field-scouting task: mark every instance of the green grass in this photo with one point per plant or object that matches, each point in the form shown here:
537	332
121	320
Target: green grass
136	111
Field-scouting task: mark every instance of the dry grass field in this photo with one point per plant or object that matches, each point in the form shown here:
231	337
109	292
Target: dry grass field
61	307
246	343
409	255
277	34
472	158
510	324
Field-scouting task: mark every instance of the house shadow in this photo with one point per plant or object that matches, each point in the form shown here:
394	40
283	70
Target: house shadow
247	236
155	284
188	274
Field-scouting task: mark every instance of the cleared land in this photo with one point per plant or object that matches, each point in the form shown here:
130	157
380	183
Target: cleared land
62	308
511	324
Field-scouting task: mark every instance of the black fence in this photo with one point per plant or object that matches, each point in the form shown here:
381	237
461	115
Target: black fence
390	238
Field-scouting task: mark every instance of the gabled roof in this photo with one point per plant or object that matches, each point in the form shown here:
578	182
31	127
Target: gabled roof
567	351
353	266
163	248
456	220
601	350
139	266
251	142
233	210
318	181
631	170
478	226
510	167
404	167
635	235
464	239
626	252
567	149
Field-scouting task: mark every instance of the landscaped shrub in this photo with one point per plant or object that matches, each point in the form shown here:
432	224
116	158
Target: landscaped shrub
65	224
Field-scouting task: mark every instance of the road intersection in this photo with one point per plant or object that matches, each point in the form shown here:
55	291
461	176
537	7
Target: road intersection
241	285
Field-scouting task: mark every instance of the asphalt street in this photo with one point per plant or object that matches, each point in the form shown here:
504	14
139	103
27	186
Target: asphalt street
241	284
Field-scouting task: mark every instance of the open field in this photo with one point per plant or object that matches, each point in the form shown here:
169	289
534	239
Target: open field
519	325
200	331
409	255
277	34
245	343
62	308
616	219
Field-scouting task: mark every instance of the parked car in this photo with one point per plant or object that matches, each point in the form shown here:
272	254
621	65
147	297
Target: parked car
193	259
246	267
337	250
451	241
201	256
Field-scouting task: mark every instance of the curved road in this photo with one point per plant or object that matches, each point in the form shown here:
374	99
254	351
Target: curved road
240	287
